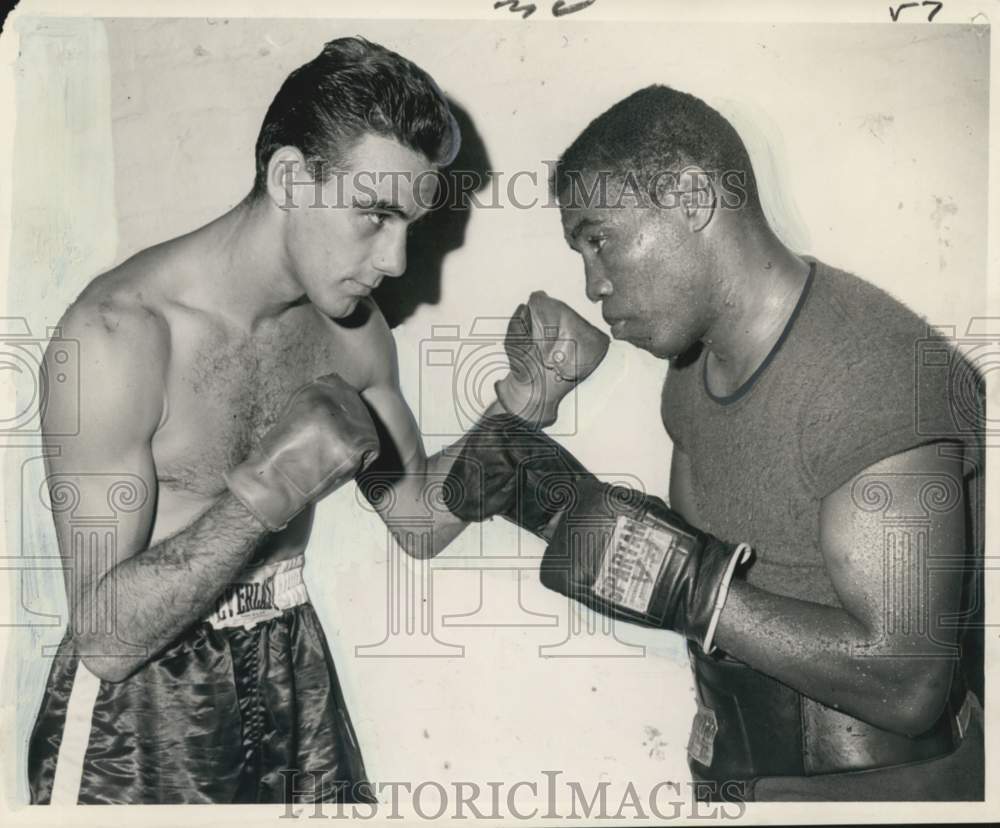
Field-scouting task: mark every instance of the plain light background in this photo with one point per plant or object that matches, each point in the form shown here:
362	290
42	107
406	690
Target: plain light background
870	146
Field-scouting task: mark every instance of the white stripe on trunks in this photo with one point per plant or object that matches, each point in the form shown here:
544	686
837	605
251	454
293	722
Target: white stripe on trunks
75	736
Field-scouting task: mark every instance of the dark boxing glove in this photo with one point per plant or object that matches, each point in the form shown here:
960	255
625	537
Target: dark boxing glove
323	437
616	550
504	465
505	468
629	555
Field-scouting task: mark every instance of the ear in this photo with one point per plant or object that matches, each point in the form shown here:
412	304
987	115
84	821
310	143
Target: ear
698	197
286	175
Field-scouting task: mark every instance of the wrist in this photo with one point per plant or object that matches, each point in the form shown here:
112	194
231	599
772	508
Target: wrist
251	484
239	513
737	556
527	402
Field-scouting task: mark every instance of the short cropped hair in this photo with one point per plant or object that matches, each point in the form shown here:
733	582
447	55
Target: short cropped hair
651	132
351	88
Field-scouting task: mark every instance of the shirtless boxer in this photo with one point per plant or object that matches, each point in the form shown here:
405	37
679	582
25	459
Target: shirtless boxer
230	378
828	666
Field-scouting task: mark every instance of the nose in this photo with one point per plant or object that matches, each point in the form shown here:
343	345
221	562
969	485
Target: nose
598	286
390	258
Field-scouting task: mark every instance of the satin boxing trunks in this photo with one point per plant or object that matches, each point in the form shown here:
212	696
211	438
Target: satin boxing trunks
244	707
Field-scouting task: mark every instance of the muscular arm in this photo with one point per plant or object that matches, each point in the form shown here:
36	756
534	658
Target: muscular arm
405	485
550	349
161	590
128	599
884	656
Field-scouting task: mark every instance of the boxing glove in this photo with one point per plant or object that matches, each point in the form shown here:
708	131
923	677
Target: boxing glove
551	349
503	468
323	437
628	555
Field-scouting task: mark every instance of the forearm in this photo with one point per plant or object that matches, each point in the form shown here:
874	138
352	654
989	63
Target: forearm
419	518
501	465
416	509
154	595
828	655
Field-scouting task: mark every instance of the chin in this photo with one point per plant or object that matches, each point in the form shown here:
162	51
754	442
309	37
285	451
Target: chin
660	352
664	350
339	308
646	343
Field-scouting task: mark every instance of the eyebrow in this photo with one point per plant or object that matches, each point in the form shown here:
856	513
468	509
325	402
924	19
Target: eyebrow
381	204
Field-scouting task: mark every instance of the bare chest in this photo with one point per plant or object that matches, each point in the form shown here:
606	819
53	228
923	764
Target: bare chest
224	393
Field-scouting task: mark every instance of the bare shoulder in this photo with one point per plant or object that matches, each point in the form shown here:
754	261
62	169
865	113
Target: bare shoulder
116	310
365	347
121	337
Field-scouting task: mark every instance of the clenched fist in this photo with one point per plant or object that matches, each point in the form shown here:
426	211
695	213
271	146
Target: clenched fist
551	349
323	438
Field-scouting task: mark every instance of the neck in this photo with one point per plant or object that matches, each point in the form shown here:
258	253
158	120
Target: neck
241	271
759	286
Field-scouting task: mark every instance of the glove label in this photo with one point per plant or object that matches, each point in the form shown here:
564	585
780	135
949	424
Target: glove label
633	561
701	744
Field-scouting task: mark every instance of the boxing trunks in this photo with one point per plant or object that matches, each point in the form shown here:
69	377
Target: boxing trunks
244	707
756	739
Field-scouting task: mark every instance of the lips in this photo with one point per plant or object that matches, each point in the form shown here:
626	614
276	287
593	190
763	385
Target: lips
365	288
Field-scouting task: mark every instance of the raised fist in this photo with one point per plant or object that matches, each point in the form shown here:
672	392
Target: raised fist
551	349
323	438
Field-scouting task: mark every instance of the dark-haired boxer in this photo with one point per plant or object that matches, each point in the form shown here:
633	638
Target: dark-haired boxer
229	379
828	667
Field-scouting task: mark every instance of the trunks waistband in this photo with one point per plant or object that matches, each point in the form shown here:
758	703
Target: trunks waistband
749	725
951	777
260	594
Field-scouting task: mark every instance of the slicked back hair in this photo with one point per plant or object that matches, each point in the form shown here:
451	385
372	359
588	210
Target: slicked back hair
354	87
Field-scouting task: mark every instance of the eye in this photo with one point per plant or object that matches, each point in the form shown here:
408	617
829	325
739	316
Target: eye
378	219
596	243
